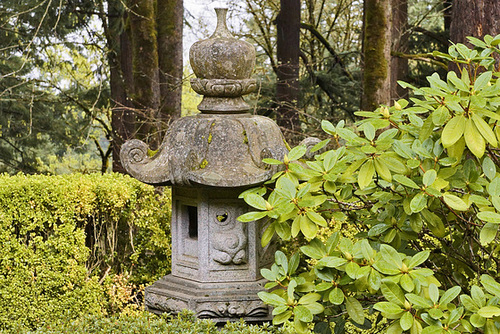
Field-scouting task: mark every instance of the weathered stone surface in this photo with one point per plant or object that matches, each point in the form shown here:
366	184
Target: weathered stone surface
222	56
209	159
219	301
211	150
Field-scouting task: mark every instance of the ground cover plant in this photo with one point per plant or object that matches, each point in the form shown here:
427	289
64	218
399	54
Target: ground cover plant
418	183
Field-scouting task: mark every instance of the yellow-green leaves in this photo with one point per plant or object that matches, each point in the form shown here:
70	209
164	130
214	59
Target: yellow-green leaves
474	139
453	131
365	174
455	202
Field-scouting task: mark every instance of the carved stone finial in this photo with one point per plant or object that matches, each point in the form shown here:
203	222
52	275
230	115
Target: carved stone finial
223	65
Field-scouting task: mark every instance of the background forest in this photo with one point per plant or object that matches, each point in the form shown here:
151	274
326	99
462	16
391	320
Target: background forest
79	77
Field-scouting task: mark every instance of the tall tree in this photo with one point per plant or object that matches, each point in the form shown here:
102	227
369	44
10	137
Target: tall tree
399	36
377	54
474	18
146	69
288	49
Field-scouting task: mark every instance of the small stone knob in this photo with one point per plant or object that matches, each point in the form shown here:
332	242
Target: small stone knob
223	65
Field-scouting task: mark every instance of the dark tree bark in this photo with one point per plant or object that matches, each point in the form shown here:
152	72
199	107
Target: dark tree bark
474	18
120	64
146	95
145	58
399	34
377	54
447	5
169	22
288	51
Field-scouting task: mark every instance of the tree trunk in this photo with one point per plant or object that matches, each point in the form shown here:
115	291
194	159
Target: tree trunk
120	67
377	54
169	22
474	18
288	50
146	96
399	35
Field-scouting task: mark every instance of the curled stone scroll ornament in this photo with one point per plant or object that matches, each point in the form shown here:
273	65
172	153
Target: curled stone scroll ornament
223	87
134	151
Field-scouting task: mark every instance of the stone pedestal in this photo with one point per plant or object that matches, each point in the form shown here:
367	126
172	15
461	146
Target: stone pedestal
216	260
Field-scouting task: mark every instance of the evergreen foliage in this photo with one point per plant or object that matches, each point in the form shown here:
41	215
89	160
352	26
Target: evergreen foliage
418	182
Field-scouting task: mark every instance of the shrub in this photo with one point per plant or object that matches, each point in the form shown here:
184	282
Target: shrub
419	183
146	323
62	236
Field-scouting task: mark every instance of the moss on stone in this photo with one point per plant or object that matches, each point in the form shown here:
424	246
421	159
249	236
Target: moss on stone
203	164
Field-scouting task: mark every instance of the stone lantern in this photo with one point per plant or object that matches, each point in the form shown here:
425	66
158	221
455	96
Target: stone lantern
209	159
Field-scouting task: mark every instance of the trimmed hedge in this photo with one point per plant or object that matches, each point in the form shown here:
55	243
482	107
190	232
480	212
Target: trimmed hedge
63	237
147	323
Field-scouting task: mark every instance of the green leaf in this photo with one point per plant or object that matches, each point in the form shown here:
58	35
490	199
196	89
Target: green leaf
473	139
455	202
309	298
468	303
418	259
488	233
388	308
406	321
429	177
449	295
317	218
489	311
392	292
286	187
433	293
336	296
440	116
270	161
490	285
251	216
435	329
484	129
407	283
418	301
489	216
282	317
297	152
494	187
369	131
477	321
331	262
489	168
405	181
382	169
355	310
482	80
281	260
320	145
256	201
308	228
365	174
267	235
271	298
302	313
418	203
453	131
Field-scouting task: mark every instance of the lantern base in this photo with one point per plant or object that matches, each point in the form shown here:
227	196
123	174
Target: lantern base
221	302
